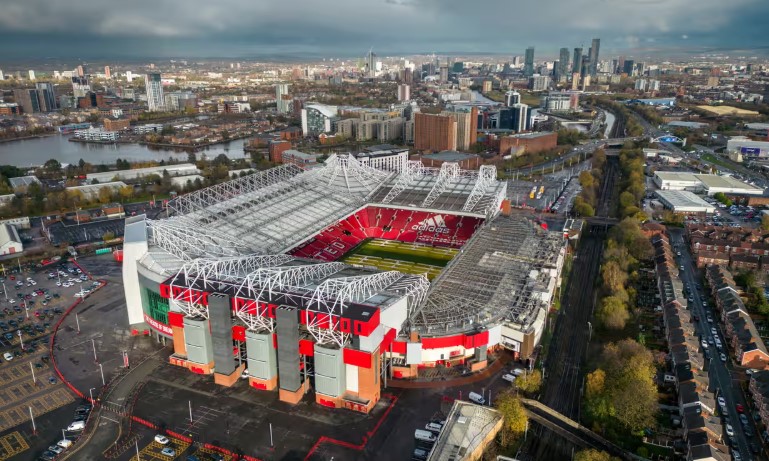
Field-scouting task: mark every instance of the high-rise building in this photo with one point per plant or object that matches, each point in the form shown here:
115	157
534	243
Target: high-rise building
408	76
487	86
283	100
371	64
575	81
458	67
2	76
27	99
129	76
620	65
435	132
594	56
46	95
154	87
528	64
32	75
640	84
80	87
467	125
107	72
81	70
539	83
444	74
521	119
404	92
512	98
576	63
563	62
629	67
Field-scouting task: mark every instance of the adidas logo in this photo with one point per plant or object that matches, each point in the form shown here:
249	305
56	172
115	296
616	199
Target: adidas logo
434	224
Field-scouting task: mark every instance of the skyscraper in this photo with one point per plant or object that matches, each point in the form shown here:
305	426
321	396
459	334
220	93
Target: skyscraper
576	64
628	67
27	99
435	132
594	56
107	72
371	64
32	75
521	117
46	96
404	92
563	62
512	98
154	88
81	70
282	98
528	64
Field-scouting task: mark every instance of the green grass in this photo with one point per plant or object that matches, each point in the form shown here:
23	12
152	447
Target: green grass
403	257
717	161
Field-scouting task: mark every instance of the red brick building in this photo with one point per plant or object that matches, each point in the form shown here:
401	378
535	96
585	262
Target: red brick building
117	124
530	142
276	149
434	132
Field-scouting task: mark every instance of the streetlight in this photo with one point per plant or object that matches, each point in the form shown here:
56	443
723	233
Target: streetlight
26	308
32	369
101	370
21	341
90	392
32	417
5	291
93	343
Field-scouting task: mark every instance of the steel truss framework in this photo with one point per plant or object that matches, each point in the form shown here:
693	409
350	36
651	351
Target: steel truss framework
414	169
448	173
263	278
203	198
487	176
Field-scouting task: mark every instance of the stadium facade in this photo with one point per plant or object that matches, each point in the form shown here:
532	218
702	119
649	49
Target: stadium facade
246	275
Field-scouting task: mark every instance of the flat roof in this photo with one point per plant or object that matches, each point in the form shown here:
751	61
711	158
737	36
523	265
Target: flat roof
712	180
684	200
467	427
676	176
727	110
450	156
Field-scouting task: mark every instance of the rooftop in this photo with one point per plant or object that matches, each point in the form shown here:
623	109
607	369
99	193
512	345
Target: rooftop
450	156
683	199
467	428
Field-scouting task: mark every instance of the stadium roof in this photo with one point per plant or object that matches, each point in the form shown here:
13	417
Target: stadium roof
499	275
275	210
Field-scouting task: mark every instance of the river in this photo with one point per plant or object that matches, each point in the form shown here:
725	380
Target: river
33	152
609	123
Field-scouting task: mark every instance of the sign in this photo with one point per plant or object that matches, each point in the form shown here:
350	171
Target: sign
750	150
161	327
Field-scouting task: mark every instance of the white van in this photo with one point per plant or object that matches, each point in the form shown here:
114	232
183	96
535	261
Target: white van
425	436
433	427
76	426
477	398
517	371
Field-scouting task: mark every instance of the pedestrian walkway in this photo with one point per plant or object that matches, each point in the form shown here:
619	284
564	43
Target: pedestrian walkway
498	364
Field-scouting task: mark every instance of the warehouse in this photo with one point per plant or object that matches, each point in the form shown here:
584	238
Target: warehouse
182	169
741	148
684	202
10	242
709	184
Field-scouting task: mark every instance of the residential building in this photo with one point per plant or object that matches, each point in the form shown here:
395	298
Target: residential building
576	63
467	126
563	63
27	99
435	132
282	98
444	74
117	124
560	101
299	159
521	120
154	87
107	72
404	92
276	149
97	134
390	129
317	119
384	157
539	83
512	98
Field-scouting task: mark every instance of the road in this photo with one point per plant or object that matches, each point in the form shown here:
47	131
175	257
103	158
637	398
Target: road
720	373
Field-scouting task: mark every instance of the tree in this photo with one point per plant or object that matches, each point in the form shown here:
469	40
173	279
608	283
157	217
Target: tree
613	313
582	208
513	415
52	167
593	455
765	222
614	277
105	194
108	236
93	118
530	382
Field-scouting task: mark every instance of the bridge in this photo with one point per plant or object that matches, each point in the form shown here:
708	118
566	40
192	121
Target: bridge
572	431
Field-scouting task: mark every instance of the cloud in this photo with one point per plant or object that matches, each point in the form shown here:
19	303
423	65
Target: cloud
352	26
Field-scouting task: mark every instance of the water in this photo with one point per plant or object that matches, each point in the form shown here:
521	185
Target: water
478	97
33	152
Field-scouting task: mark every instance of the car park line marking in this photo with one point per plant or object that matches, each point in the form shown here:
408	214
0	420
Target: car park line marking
11	445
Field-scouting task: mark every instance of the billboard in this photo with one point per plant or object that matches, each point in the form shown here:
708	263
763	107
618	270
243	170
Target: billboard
750	150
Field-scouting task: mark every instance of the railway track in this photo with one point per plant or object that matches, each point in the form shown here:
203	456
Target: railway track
564	365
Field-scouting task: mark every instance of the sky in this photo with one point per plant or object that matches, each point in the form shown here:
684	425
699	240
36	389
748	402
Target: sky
339	28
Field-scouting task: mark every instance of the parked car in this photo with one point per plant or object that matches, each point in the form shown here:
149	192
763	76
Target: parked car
508	377
168	451
729	430
161	439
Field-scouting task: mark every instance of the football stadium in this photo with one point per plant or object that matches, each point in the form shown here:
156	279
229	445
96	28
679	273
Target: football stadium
337	278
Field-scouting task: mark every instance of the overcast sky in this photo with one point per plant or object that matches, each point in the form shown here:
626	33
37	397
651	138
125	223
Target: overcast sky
245	28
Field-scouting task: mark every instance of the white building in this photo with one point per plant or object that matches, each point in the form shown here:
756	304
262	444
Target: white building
709	184
148	128
404	92
97	134
182	169
32	75
91	191
10	242
742	148
559	102
154	87
386	158
684	202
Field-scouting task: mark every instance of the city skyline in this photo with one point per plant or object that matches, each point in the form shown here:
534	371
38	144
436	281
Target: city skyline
238	28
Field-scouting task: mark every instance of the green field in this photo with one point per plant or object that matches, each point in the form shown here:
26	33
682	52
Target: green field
409	258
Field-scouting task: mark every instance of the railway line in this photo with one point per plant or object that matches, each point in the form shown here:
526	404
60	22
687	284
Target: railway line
564	364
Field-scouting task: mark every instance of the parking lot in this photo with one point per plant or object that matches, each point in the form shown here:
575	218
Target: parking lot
152	452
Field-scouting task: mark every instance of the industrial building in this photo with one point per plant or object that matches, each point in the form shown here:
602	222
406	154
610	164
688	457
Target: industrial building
247	274
742	148
10	242
181	169
681	201
709	184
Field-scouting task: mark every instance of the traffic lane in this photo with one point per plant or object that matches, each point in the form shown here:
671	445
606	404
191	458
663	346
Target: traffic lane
716	369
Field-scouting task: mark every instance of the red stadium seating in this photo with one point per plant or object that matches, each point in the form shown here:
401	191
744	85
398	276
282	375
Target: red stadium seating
436	229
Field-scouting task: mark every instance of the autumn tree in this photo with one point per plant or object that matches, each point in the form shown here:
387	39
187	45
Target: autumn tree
593	455
613	313
513	415
530	382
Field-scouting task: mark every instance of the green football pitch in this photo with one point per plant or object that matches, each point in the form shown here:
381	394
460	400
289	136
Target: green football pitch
409	258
